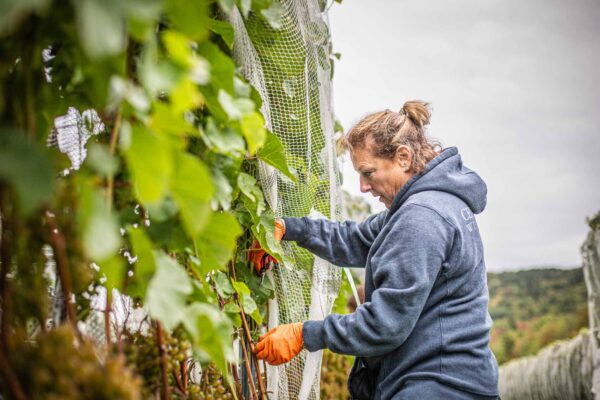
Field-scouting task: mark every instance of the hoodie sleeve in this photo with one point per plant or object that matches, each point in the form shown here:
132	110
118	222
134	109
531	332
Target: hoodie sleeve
341	243
405	268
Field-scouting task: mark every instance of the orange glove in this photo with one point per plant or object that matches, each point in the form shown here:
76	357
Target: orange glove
258	256
280	344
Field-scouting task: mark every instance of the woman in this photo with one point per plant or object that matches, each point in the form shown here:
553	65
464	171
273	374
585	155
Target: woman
423	330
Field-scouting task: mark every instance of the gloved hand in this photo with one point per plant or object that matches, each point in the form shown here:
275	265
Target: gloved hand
280	344
258	256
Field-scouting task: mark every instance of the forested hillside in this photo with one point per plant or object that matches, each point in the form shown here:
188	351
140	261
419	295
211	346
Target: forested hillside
533	308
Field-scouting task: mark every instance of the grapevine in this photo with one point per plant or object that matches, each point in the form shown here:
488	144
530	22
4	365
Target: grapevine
129	146
165	86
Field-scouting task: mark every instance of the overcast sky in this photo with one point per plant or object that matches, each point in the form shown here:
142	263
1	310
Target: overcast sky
515	85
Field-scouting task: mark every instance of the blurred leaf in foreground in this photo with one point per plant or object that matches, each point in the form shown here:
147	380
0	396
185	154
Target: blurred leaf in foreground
26	168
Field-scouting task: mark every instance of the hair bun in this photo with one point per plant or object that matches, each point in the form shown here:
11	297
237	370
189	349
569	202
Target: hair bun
417	111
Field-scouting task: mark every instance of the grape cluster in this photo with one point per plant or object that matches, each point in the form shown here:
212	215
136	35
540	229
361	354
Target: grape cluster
142	353
58	365
334	376
178	348
212	386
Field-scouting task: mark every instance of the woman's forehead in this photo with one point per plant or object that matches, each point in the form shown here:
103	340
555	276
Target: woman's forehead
362	157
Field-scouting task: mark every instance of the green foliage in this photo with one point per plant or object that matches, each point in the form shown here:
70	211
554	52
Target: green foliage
145	265
340	306
253	129
273	153
167	291
101	27
99	228
534	308
216	244
191	18
25	167
170	181
192	190
150	162
223	285
211	331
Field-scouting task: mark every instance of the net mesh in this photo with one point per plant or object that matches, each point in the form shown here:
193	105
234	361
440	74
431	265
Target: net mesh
290	66
590	251
561	371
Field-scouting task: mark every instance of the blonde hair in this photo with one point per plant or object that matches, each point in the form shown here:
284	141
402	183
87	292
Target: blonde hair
388	130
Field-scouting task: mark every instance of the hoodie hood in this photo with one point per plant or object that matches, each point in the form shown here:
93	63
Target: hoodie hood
446	173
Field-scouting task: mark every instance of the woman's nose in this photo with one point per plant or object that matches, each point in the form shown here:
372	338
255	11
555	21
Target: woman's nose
364	186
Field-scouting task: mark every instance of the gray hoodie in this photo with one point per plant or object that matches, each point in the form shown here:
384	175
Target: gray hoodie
425	312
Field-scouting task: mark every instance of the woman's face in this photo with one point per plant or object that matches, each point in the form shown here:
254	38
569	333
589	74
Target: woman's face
382	177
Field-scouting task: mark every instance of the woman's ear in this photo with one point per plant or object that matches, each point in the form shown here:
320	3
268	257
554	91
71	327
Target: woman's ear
404	157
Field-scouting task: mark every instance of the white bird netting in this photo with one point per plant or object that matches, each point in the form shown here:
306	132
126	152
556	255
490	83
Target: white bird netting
562	371
291	68
590	251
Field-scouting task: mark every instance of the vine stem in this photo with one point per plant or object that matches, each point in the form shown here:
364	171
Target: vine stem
114	134
178	381
266	376
231	366
248	369
5	260
245	326
261	387
242	340
236	378
183	368
164	395
107	309
59	245
8	374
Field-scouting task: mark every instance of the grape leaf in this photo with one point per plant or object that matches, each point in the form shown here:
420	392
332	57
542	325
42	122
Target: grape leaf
26	167
223	285
223	29
191	17
167	291
253	128
100	231
274	15
101	27
192	190
210	330
216	243
241	288
145	264
150	161
273	153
